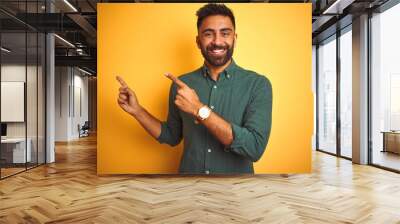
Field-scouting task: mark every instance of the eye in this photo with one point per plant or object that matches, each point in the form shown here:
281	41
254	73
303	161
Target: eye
225	34
207	34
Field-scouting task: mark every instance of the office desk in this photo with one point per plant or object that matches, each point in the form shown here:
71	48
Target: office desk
15	148
391	141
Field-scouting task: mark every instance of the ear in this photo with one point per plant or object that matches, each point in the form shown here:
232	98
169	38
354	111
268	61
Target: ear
198	42
234	45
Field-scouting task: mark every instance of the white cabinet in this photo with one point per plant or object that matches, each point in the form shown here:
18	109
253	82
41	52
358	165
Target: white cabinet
17	146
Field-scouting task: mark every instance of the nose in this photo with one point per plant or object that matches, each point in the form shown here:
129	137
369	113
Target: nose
218	40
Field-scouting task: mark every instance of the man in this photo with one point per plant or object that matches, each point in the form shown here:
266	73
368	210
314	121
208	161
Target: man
222	111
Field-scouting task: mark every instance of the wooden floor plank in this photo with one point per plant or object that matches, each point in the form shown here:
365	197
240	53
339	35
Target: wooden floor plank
69	191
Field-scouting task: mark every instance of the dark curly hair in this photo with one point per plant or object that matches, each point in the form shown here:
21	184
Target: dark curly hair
212	9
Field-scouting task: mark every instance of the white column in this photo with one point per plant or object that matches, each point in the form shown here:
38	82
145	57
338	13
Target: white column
360	89
50	92
50	100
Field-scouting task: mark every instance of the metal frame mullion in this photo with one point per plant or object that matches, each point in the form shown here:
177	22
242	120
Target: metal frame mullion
26	87
369	91
338	94
0	96
317	96
37	91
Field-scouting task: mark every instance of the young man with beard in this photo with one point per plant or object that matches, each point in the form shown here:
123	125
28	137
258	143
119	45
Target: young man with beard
222	111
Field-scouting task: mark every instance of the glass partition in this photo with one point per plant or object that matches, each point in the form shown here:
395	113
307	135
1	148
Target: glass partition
14	153
327	95
22	88
346	93
385	89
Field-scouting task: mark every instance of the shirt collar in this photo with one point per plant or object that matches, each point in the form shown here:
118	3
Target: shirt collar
227	73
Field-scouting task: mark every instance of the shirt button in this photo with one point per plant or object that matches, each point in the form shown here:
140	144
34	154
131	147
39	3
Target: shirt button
209	150
212	107
196	122
228	76
207	172
215	86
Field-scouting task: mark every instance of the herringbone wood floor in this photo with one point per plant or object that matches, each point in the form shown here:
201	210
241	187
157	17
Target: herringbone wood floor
69	191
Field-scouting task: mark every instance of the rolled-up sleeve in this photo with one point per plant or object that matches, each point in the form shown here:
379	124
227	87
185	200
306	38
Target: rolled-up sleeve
171	130
251	138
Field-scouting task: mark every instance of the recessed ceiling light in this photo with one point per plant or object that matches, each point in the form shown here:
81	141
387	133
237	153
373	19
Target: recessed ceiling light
5	50
84	71
337	7
64	40
71	6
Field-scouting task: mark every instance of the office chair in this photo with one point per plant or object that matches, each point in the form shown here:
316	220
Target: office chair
84	130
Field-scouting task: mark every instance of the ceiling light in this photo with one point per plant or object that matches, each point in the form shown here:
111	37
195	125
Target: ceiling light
5	50
64	40
337	7
70	5
84	71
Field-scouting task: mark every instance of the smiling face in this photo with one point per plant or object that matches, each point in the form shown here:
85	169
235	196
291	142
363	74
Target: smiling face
216	39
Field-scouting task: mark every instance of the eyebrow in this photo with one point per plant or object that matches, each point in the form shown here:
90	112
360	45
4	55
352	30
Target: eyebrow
212	30
226	29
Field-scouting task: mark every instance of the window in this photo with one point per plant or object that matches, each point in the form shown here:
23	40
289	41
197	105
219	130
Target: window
346	93
22	77
327	95
385	88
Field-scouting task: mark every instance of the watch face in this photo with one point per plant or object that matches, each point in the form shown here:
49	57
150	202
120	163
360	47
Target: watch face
204	112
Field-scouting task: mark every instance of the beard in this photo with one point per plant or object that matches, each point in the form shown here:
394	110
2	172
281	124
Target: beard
217	60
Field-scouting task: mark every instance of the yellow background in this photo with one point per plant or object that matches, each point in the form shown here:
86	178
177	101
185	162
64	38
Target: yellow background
141	42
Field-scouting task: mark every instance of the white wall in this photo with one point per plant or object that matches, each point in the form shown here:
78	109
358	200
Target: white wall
71	94
80	103
61	103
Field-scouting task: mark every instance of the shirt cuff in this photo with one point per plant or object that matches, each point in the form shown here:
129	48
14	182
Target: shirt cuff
162	138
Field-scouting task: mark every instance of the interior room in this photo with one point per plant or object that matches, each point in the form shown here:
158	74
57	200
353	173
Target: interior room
49	164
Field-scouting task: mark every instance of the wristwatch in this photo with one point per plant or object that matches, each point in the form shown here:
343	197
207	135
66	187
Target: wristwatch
204	112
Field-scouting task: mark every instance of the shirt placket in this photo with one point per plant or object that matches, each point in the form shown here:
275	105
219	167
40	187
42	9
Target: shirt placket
213	99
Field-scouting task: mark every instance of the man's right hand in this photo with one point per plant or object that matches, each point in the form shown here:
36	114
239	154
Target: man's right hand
127	99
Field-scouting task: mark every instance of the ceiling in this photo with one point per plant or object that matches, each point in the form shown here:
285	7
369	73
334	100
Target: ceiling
76	22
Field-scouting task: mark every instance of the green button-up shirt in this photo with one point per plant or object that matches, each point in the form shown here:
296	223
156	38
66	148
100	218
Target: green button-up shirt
241	97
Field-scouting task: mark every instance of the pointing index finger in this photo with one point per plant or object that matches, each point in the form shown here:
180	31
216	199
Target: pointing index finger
176	80
121	81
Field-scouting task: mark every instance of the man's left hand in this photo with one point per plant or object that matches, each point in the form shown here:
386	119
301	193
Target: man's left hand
186	98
